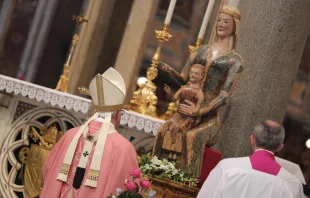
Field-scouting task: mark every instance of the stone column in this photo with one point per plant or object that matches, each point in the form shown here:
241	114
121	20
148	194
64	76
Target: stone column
272	38
91	38
37	38
136	33
233	2
114	36
6	13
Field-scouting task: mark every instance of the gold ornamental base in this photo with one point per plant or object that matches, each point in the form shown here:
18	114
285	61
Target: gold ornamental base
170	189
33	180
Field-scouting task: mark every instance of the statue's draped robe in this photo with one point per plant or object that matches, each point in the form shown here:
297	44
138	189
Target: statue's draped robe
221	74
176	127
118	159
257	176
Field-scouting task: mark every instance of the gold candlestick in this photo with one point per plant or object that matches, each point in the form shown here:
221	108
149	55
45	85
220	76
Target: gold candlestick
144	99
198	44
62	84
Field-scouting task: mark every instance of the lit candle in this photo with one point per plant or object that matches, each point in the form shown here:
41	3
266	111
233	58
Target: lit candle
206	20
170	12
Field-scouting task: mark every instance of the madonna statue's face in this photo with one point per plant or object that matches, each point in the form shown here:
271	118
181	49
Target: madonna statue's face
225	25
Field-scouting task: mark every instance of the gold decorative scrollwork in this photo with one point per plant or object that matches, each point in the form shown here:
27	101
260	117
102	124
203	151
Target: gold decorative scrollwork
33	158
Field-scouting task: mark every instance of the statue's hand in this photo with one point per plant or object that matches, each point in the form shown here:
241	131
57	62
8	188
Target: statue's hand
164	67
188	109
167	89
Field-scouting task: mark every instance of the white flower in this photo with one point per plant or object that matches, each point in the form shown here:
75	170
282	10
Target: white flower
151	194
118	191
165	161
174	172
163	167
171	166
156	161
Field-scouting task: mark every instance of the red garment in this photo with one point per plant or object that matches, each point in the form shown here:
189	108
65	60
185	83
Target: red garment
211	158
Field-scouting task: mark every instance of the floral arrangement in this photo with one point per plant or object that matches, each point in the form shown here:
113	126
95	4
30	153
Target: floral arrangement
133	190
166	170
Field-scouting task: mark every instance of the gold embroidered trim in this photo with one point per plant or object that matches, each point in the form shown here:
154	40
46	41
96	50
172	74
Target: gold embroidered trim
64	168
100	93
112	108
93	174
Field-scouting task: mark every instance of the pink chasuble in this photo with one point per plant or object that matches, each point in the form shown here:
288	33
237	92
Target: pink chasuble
118	159
264	161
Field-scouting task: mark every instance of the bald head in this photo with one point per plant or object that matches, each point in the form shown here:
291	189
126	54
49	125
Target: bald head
269	135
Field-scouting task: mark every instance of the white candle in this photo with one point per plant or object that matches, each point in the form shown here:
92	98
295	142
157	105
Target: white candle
206	19
170	12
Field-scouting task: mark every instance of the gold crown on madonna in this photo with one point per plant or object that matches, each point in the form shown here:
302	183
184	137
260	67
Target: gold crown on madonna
107	91
232	11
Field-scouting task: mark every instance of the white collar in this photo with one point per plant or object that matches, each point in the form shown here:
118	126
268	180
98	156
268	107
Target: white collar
95	135
264	150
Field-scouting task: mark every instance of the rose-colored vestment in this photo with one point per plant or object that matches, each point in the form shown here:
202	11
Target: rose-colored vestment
118	159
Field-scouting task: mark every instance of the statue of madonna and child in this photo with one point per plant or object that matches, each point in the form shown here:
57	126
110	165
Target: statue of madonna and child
208	78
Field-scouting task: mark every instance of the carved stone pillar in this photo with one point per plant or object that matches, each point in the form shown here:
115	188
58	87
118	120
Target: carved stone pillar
131	51
16	19
6	12
37	39
272	38
91	39
233	2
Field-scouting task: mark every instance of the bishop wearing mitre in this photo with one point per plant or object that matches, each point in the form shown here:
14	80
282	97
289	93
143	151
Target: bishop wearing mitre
92	160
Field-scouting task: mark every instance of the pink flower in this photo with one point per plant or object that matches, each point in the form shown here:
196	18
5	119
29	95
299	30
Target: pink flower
131	186
145	184
136	173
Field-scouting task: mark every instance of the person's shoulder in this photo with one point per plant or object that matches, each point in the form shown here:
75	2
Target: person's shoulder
235	167
71	132
235	58
122	141
234	161
291	182
288	177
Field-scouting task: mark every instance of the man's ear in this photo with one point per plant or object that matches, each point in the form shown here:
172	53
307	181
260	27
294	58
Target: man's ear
280	148
252	139
118	116
253	142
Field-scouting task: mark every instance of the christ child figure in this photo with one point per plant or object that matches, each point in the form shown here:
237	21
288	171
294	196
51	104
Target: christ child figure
177	126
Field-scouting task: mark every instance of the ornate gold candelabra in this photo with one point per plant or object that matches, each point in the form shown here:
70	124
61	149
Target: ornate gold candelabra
144	99
62	84
198	44
172	109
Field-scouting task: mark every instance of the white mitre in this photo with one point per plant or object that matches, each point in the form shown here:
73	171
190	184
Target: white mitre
108	93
